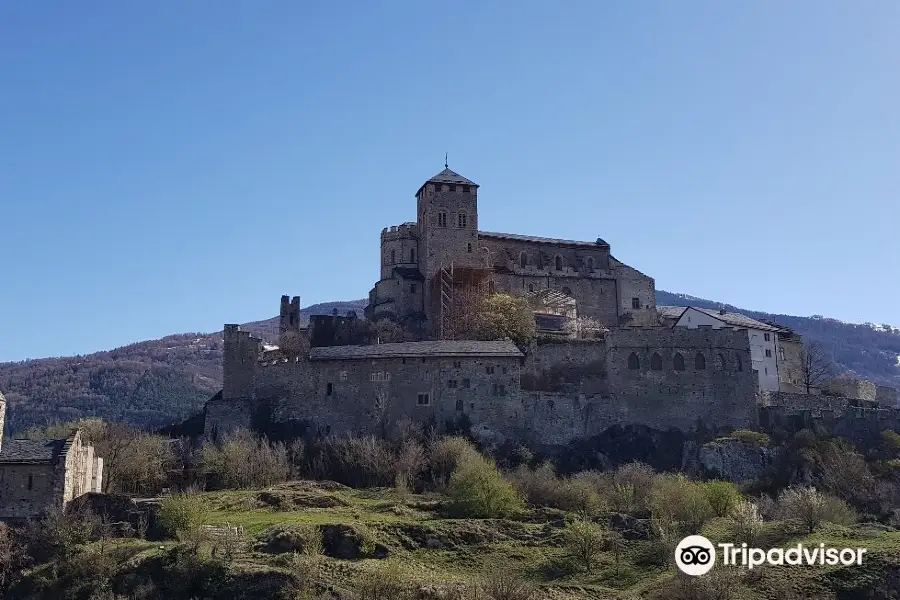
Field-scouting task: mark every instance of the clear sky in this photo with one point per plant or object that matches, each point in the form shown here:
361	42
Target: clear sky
172	166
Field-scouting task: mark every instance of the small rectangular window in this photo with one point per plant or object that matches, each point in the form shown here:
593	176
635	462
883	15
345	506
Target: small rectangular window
457	364
30	481
494	390
467	383
412	288
768	353
504	370
489	370
451	383
423	400
502	390
468	247
635	303
766	336
329	388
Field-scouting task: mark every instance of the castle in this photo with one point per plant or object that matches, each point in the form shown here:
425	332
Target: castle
643	369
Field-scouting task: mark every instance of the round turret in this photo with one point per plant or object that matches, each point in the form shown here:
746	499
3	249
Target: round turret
399	248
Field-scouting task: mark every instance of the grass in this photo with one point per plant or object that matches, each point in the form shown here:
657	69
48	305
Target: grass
436	550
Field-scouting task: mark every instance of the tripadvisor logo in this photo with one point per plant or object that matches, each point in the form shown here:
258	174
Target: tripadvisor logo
696	555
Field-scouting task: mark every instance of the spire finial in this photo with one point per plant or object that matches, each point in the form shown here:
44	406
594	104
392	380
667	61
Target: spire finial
445	161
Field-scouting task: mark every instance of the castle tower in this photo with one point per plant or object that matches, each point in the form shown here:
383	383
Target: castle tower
448	231
289	327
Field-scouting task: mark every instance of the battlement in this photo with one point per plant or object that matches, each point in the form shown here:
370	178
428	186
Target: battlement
402	231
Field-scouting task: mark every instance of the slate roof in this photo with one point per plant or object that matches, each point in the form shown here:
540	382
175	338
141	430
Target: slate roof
671	312
33	451
514	237
416	350
448	176
737	319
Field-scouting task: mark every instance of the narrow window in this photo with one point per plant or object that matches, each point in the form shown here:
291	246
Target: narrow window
504	370
459	405
453	188
540	260
635	303
678	362
451	383
468	247
656	362
412	255
502	390
467	383
738	362
462	220
489	370
633	361
530	288
465	189
768	353
393	256
766	336
720	362
329	389
766	369
559	263
30	481
442	219
590	262
457	364
412	288
423	400
523	260
494	390
699	362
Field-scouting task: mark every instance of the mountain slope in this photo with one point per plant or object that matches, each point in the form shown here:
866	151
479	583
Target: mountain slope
158	382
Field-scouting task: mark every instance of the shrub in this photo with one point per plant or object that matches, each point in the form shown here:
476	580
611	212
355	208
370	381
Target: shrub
722	496
504	584
502	316
632	484
584	543
579	496
812	508
540	486
477	489
756	438
747	521
183	517
678	505
245	460
387	581
890	441
446	454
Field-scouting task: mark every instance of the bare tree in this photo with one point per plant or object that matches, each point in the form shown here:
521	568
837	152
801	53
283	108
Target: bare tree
815	366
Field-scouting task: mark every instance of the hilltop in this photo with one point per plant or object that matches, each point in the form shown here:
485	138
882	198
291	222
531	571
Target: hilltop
157	382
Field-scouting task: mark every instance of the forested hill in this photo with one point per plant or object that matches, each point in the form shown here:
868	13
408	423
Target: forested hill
158	382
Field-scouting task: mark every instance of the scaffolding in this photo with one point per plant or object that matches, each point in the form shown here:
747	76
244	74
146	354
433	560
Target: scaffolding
456	293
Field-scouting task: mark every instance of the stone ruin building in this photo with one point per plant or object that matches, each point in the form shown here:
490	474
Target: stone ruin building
660	367
37	476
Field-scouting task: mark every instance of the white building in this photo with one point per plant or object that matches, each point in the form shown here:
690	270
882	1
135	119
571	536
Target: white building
763	338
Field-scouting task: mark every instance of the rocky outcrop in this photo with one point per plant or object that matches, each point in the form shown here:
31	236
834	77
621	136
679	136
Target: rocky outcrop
728	459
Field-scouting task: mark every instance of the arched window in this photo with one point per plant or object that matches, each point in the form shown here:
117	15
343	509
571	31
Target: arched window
700	362
442	219
393	256
462	220
412	255
738	362
679	362
656	362
590	263
530	288
720	362
559	263
633	361
523	260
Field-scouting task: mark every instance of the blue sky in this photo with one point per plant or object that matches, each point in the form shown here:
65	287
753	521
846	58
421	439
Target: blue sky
171	166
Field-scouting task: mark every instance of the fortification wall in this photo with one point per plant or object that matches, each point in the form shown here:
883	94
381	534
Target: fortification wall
573	367
682	377
222	416
857	420
241	351
364	396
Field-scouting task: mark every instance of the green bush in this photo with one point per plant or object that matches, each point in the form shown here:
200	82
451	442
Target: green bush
584	543
183	516
631	487
812	508
722	496
446	454
678	505
757	438
478	490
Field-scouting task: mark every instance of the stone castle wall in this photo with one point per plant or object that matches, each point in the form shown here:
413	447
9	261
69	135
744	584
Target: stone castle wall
856	420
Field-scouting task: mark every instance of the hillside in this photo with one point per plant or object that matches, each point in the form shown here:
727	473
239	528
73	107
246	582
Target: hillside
157	382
